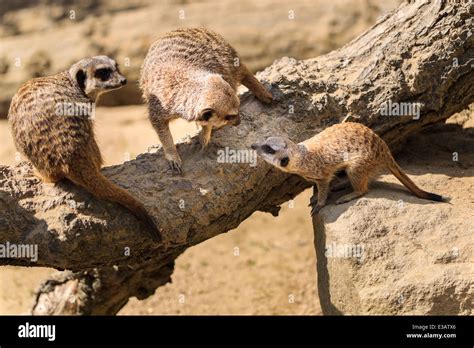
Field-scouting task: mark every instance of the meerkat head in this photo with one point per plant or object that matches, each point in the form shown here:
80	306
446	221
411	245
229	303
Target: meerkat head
97	75
279	152
218	104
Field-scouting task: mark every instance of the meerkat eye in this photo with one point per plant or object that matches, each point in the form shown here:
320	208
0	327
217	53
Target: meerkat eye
103	73
206	115
284	161
268	149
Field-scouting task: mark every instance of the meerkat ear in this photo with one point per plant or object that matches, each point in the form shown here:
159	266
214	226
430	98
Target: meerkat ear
81	79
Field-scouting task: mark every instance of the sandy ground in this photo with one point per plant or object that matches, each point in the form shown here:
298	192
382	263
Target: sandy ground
265	266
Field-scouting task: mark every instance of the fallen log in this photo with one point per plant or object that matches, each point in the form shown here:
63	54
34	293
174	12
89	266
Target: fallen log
420	56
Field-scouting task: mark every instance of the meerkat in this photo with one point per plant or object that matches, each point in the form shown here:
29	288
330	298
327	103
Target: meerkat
51	123
348	146
194	74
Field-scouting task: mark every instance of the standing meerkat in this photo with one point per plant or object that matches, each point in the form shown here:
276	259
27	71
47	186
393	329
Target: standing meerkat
51	123
194	74
348	146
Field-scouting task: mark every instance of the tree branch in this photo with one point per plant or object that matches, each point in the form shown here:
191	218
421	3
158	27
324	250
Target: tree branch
421	53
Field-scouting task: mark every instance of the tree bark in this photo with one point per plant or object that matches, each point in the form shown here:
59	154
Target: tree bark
423	52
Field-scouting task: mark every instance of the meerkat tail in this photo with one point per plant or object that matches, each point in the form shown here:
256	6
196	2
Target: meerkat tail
255	86
409	184
97	184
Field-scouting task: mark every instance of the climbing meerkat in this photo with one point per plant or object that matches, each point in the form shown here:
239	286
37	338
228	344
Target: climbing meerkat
194	74
51	123
349	146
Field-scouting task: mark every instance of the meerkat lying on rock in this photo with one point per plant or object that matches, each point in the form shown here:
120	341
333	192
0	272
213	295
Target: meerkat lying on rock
51	123
349	146
194	74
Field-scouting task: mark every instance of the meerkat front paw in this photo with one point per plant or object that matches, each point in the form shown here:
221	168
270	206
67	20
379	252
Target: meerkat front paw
205	136
174	163
266	97
175	167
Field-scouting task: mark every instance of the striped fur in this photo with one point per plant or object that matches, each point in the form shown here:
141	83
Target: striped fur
61	145
187	73
347	146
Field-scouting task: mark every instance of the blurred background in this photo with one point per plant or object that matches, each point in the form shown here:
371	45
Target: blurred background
274	271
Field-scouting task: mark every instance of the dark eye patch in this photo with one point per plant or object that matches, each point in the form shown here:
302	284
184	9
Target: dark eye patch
206	115
268	149
103	73
81	78
284	161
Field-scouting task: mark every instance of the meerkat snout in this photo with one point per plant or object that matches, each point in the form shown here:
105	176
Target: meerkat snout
233	119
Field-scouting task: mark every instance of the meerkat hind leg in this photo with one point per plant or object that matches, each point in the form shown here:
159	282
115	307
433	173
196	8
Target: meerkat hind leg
360	184
318	203
47	178
340	185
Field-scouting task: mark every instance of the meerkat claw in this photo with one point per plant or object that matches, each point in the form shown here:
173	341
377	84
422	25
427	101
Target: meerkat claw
175	167
315	209
203	147
267	98
313	201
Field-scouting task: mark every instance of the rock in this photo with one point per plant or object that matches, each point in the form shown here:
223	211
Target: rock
392	253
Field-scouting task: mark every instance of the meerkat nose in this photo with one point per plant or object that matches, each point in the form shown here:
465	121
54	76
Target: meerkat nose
254	146
123	81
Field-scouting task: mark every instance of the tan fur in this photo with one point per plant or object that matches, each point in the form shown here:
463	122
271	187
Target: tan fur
187	72
348	146
63	145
